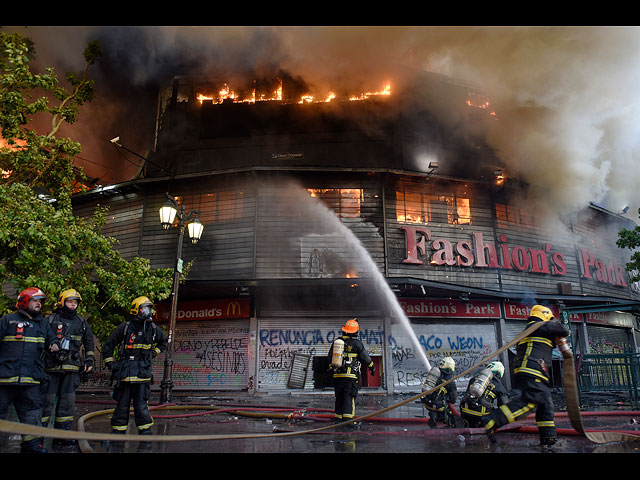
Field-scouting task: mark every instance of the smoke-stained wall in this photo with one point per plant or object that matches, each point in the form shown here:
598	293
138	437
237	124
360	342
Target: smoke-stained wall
268	226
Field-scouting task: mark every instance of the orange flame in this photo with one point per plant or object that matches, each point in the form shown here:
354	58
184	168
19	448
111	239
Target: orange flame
363	96
225	93
478	102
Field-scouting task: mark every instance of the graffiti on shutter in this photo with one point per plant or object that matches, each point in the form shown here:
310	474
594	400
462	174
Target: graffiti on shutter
299	369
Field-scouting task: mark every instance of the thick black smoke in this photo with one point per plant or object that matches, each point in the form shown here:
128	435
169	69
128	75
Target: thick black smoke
566	97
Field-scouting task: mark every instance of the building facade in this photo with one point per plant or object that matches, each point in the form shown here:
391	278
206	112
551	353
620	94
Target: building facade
316	213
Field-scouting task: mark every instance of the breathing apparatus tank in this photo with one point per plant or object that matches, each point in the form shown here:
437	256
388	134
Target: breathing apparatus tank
432	379
480	383
338	351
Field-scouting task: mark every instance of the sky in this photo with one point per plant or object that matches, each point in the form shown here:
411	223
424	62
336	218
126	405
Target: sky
566	97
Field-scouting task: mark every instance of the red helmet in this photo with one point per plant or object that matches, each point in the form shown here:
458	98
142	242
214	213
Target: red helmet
28	294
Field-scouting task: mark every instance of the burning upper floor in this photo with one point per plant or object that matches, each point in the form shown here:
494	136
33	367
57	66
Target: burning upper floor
224	93
206	125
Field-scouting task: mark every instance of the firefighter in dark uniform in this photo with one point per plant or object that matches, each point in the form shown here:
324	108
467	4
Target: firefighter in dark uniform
473	408
128	353
438	402
24	337
532	377
65	366
347	377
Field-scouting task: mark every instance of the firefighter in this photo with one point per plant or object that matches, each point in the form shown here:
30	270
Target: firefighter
475	405
347	375
128	353
24	336
438	403
532	377
65	366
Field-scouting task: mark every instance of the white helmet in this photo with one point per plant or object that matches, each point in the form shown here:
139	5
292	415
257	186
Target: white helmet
497	368
447	363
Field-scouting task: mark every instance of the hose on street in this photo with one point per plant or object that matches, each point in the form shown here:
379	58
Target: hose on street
83	436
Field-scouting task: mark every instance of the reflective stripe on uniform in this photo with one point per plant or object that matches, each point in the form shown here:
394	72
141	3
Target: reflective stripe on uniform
524	368
13	338
18	379
548	423
135	379
511	416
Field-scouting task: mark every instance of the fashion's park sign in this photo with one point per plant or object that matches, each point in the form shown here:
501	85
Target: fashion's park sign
439	308
476	252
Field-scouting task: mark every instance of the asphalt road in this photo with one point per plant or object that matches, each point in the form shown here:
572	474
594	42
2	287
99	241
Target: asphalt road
400	430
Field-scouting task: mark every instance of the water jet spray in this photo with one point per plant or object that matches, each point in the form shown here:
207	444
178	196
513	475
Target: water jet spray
367	267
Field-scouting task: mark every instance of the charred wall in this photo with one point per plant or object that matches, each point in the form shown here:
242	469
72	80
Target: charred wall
392	132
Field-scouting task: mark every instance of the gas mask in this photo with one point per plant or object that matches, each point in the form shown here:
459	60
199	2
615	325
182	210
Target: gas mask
63	352
145	313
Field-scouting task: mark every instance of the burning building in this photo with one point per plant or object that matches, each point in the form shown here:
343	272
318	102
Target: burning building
384	204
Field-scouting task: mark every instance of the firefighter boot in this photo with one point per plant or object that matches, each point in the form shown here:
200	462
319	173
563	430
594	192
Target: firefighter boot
115	446
489	425
353	425
548	442
32	446
61	445
144	447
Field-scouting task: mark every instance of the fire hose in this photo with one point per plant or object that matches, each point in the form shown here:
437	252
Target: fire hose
573	407
571	394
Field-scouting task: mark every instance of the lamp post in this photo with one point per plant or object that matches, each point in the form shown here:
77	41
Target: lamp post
168	213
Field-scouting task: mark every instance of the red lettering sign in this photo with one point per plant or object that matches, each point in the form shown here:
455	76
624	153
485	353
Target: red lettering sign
205	310
600	271
481	253
420	307
520	311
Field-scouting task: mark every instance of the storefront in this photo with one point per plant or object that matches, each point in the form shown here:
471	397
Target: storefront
293	348
465	331
211	345
610	332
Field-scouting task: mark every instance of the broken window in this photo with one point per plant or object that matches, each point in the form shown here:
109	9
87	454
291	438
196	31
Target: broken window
214	207
345	202
509	216
416	206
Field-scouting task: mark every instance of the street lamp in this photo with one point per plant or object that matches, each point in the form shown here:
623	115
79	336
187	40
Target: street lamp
168	213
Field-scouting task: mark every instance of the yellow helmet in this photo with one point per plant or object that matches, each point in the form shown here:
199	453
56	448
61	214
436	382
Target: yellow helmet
542	312
137	303
69	294
351	326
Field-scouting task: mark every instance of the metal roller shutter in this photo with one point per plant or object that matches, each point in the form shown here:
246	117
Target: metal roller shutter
282	341
466	343
512	329
209	355
603	340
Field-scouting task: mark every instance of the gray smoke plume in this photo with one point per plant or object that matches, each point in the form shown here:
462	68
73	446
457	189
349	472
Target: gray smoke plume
565	97
566	103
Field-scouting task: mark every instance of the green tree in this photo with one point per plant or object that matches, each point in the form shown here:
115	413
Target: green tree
42	242
630	238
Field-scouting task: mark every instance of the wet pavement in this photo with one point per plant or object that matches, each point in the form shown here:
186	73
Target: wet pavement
400	430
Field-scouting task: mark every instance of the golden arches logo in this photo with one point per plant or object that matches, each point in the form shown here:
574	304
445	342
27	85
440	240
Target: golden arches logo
232	307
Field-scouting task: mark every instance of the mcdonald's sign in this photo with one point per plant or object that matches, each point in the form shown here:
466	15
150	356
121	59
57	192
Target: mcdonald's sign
198	310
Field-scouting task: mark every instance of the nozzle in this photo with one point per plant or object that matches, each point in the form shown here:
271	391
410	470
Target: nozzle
563	346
